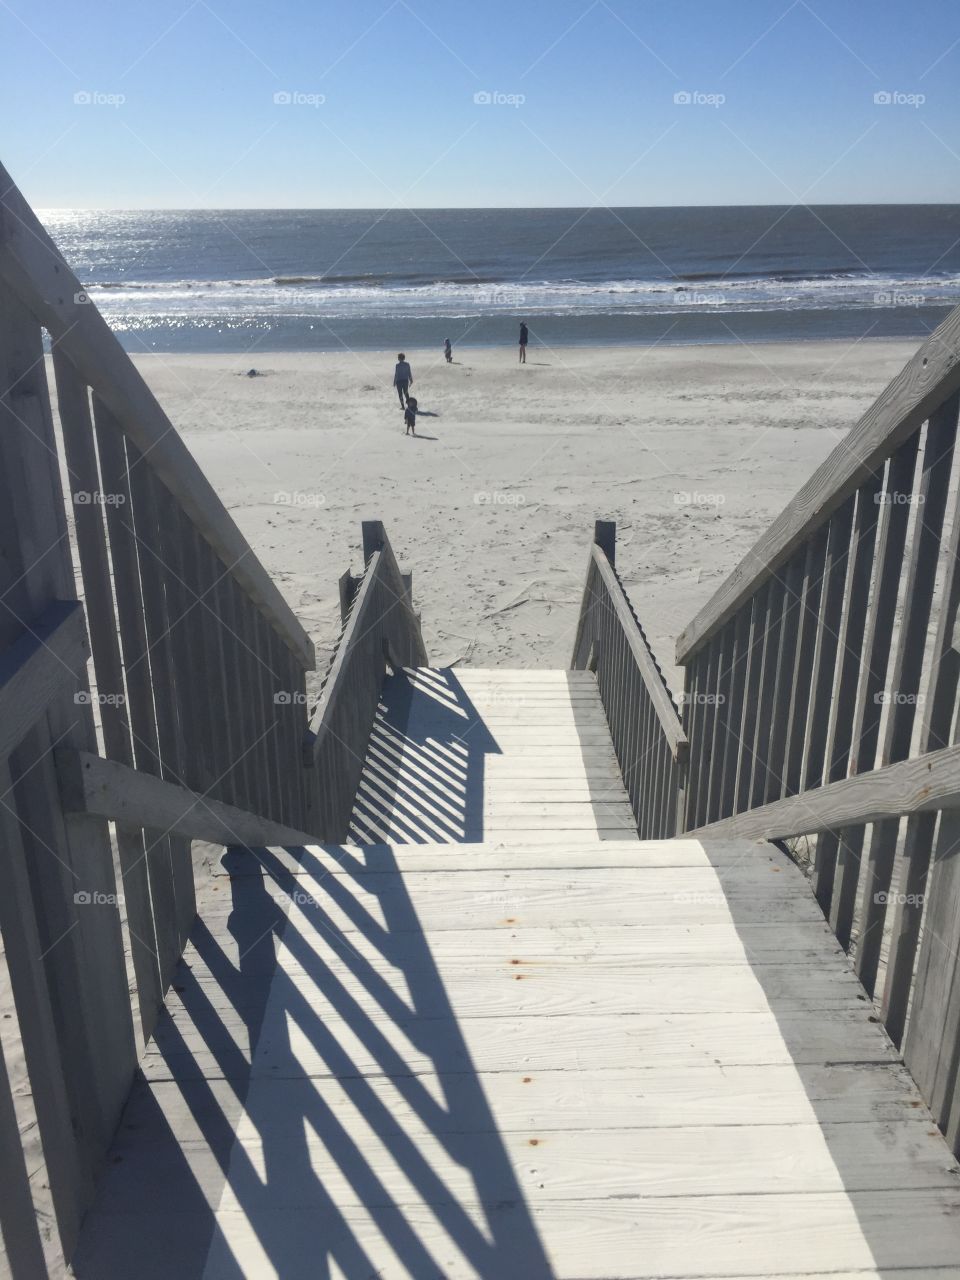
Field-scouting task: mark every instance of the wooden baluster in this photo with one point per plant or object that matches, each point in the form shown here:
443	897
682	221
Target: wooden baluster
758	606
823	677
104	626
732	743
801	682
77	949
769	653
919	576
840	727
881	614
160	618
124	556
936	724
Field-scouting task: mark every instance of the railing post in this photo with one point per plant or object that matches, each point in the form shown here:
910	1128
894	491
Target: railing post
605	536
374	537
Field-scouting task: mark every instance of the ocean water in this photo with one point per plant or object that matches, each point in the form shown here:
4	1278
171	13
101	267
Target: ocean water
300	280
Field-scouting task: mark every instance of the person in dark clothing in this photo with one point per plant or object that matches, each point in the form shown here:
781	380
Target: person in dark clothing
403	379
410	417
448	350
524	338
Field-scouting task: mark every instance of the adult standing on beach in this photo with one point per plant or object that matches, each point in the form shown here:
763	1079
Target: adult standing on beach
524	337
403	379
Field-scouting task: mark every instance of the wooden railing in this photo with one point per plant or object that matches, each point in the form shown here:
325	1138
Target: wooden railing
192	724
644	725
821	697
380	629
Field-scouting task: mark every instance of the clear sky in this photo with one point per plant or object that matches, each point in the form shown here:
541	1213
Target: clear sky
143	105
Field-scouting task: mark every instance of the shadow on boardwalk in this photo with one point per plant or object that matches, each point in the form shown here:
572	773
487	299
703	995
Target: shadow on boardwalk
424	774
275	1177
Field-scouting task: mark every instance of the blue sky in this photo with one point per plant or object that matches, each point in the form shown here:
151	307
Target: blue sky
182	110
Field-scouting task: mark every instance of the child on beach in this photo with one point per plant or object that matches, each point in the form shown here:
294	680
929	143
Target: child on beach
410	416
448	350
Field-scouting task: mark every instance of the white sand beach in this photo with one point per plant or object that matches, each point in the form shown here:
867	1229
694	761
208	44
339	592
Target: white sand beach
692	450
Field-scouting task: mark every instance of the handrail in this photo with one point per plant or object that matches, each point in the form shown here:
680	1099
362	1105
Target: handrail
653	681
648	738
930	377
381	628
33	267
335	682
89	784
924	784
821	688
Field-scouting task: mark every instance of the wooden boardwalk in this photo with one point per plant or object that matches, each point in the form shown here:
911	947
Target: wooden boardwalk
470	755
578	1059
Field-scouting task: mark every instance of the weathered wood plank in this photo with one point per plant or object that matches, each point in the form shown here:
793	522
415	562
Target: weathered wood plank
105	624
96	786
920	785
52	652
22	1252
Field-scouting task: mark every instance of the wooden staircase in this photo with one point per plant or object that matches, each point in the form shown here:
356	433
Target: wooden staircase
467	755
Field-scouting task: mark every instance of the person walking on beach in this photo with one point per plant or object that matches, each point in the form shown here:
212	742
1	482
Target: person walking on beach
410	417
402	379
448	350
524	338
